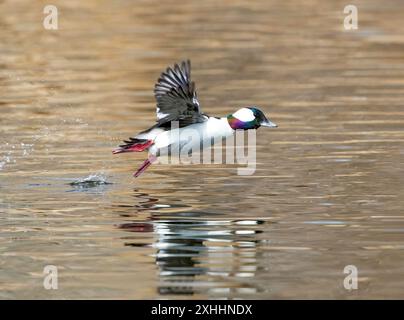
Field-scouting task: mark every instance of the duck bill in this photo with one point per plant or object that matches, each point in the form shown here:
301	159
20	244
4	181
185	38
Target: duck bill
268	123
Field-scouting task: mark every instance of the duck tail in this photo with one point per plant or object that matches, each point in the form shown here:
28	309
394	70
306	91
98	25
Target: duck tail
133	145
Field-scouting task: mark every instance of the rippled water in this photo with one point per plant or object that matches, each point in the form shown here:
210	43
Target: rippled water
328	187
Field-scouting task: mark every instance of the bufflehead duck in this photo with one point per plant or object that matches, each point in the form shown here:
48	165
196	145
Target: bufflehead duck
177	101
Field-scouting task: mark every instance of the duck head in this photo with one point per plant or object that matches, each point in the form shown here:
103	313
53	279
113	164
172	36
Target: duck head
249	118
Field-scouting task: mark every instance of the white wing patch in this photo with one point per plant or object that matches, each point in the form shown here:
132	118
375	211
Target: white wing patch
160	115
244	114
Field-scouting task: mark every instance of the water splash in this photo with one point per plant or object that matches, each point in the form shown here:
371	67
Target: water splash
2	163
13	152
93	180
26	148
6	159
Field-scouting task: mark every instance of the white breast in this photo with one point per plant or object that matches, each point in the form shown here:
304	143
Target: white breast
192	136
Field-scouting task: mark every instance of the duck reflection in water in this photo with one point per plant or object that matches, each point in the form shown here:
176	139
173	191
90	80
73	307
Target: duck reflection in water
197	254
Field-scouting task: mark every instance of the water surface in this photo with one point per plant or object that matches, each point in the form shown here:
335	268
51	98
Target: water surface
327	191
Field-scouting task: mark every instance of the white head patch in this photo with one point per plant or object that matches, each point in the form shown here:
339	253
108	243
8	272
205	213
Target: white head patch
244	114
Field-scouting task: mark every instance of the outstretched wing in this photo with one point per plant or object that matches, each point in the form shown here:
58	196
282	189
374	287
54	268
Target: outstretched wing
176	95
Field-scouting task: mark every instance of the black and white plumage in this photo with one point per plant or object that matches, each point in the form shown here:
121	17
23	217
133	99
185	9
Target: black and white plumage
178	109
175	93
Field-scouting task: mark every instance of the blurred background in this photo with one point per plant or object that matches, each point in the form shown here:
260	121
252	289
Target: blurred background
328	190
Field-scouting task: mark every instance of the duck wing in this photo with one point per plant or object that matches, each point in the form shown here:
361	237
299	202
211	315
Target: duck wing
176	96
